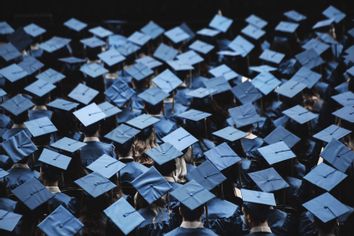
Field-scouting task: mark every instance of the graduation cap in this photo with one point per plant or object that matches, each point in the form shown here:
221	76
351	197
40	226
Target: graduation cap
272	56
306	76
83	94
17	104
72	63
9	52
338	155
165	53
290	88
111	57
325	177
101	32
124	216
276	152
150	62
106	166
180	139
5	28
95	184
50	75
207	175
244	115
32	193
152	29
75	24
257	197
331	132
40	126
265	82
230	134
93	70
139	71
143	121
323	23
208	32
190	57
139	38
40	88
295	15
253	32
222	156
217	85
119	93
55	43
286	27
345	113
9	220
34	30
55	159
20	39
300	114
220	23
316	45
63	104
192	195
122	134
326	207
333	13
163	153
109	109
92	42
268	180
89	114
256	21
309	58
167	81
30	64
200	92
282	134
241	46
60	222
68	144
194	115
151	185
246	92
177	35
13	73
224	71
3	173
345	98
179	65
153	95
201	47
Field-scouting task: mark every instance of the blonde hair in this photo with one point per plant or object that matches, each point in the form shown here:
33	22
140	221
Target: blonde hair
141	145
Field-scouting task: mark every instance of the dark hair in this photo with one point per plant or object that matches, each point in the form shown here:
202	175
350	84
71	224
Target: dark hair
258	213
91	130
167	168
124	149
49	173
191	215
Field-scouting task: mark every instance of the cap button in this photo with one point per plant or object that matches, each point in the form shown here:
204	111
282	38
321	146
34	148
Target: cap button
191	194
60	225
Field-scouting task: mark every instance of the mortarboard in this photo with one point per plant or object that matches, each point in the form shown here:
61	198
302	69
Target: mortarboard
40	126
40	88
194	115
9	52
295	16
139	71
282	134
3	173
95	184
219	208
53	44
333	13
17	104
150	62
93	70
262	68
268	180
111	57
222	156
253	32
153	95
276	152
326	207
34	30
345	113
55	159
217	85
92	42
309	58
177	35
50	75
89	114
223	70
338	155
208	32
290	88
122	134
306	76
272	56
68	144
286	27
220	23
192	195
127	48
9	220
165	53
143	121
244	115
323	23
60	222
119	93
200	92
201	47
151	185
109	109
246	92
163	153
241	46
179	65
63	104
167	81
331	132
257	197
316	45
32	193
124	216
256	21
207	175
5	28
13	73
101	32
325	177
152	29
300	114
265	82
139	38
345	98
106	166
180	139
230	134
75	24
190	57
30	64
83	94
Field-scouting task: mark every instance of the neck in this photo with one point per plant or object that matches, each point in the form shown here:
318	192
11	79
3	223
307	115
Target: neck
40	107
263	227
191	224
90	139
18	126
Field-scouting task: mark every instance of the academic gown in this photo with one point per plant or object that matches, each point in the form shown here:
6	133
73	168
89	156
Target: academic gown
179	231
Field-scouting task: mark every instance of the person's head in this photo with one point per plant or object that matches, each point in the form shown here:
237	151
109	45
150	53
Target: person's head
191	215
167	168
50	175
256	214
125	149
92	130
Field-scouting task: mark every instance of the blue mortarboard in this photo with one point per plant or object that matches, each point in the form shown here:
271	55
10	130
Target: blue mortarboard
295	16
338	155
217	85
290	88
75	24
124	216
309	58
83	94
151	185
200	92
60	222
179	65
5	28
325	177
13	73
109	109
54	44
331	132
119	93
30	64
316	45
32	193
207	175
345	98
190	57
153	95
167	81
50	75
92	42
268	180
272	56
17	104
222	156
276	152
241	46
40	126
152	29
256	21
101	32
333	13
180	139
3	173
194	115
139	71
282	134
89	114
68	144
208	32
165	53
246	92
346	113
220	23
95	184
219	208
192	195
106	166
40	88
306	76
55	159
111	57
34	30
225	71
287	27
139	38
149	61
326	207
257	197
244	115
93	70
143	121
323	23
265	82
63	104
230	134
122	134
300	114
253	32
9	52
177	35
163	153
262	68
201	47
9	220
127	48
